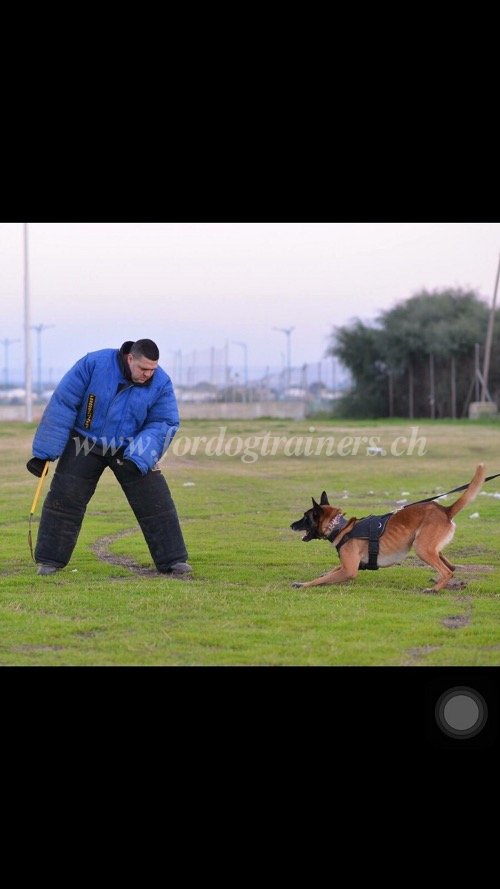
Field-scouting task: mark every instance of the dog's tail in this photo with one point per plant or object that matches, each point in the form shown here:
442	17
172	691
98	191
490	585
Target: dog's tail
470	493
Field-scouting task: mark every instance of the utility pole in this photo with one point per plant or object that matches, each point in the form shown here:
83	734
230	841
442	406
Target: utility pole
391	392
245	349
453	388
177	371
6	343
212	365
432	397
476	371
287	331
39	328
489	340
410	390
27	334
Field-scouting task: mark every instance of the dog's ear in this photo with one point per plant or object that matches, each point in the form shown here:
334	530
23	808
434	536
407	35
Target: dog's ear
317	510
324	499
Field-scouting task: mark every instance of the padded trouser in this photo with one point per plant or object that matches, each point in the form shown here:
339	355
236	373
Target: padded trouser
62	517
73	485
152	504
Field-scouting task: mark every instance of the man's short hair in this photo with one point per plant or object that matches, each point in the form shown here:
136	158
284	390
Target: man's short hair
145	349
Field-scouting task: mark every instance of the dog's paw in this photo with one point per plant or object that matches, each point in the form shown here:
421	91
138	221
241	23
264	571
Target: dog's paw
296	585
430	589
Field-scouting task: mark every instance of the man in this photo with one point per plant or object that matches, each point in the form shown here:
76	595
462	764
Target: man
114	408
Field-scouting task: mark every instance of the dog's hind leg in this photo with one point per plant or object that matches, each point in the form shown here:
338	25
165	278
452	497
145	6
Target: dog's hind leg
435	560
446	562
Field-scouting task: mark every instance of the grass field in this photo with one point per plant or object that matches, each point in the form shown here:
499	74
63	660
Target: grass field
108	607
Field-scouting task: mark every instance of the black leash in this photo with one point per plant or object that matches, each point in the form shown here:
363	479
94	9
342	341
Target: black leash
454	491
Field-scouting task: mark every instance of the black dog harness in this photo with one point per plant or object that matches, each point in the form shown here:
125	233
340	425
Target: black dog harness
370	528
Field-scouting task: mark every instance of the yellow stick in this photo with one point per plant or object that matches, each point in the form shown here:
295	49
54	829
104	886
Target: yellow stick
33	505
39	486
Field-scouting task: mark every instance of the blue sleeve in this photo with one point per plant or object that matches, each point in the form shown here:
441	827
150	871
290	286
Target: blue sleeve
157	432
60	414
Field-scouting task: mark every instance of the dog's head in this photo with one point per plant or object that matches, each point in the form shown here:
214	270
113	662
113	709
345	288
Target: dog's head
319	521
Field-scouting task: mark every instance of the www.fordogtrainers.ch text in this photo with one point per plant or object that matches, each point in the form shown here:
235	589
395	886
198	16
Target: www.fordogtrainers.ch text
261	445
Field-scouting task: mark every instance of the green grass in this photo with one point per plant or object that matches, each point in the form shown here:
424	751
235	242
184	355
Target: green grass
241	608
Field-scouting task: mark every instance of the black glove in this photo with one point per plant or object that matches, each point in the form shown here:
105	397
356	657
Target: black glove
132	467
36	465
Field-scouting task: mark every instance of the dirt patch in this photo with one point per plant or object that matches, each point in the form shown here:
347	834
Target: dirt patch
38	648
459	621
101	549
414	562
416	654
456	622
472	569
456	585
462	551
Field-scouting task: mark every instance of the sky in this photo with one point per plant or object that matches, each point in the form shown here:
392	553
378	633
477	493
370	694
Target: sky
195	286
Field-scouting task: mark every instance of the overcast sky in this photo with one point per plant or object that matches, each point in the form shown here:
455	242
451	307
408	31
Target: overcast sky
192	286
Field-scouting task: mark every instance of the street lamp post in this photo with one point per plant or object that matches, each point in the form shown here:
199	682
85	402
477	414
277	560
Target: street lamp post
6	343
288	332
39	328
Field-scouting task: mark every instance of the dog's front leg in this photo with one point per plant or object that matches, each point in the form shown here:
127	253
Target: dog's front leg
347	570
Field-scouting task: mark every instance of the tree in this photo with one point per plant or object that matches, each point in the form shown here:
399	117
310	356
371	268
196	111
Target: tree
361	349
418	358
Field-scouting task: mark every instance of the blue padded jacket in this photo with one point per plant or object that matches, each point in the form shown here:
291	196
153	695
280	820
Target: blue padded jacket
97	401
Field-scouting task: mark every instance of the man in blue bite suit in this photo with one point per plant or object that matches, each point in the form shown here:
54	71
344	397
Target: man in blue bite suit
116	408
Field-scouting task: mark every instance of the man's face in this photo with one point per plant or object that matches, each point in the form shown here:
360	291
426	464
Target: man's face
141	369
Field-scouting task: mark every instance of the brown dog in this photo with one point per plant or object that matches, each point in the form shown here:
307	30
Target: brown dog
428	527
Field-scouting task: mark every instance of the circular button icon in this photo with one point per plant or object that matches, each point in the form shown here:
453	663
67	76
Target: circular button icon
461	712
